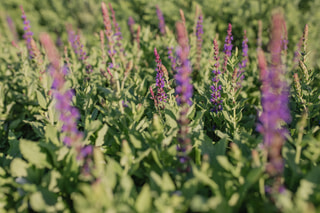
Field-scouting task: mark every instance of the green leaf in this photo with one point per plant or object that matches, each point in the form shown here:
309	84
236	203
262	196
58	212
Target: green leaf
135	141
33	153
41	100
308	184
51	134
18	168
143	203
102	132
41	200
167	183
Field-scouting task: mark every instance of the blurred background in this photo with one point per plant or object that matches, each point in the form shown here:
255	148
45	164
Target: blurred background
51	16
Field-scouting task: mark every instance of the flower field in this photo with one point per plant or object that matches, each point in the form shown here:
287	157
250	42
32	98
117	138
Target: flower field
159	106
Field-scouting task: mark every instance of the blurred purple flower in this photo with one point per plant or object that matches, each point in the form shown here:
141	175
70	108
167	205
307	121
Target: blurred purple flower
131	24
275	93
184	92
227	47
27	33
173	59
117	33
68	114
199	32
184	87
162	25
160	81
12	28
216	99
244	61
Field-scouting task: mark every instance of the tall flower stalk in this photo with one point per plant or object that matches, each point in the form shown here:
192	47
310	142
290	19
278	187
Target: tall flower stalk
227	47
108	31
12	28
160	81
162	24
173	59
78	48
118	34
244	60
216	99
199	32
63	97
274	104
28	37
184	92
131	29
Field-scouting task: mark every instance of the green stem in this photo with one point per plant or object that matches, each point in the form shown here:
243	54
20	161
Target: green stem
298	154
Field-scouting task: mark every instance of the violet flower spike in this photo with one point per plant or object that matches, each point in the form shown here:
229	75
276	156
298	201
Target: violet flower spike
216	99
173	59
227	47
68	114
275	93
108	30
131	24
162	25
27	33
184	91
184	88
12	28
160	81
116	26
199	32
244	61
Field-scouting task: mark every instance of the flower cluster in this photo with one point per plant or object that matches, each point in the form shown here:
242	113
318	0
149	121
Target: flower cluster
227	47
244	61
184	91
12	28
131	24
216	88
27	33
162	24
77	47
184	87
108	29
68	114
173	59
160	81
31	45
116	26
274	101
199	32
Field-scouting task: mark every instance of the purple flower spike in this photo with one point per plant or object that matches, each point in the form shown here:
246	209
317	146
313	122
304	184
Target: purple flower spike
131	24
227	47
173	59
199	32
162	24
184	88
184	94
27	33
12	28
216	88
84	152
275	93
160	81
68	114
78	48
116	26
244	61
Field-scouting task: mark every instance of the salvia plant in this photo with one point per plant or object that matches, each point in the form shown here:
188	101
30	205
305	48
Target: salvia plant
107	107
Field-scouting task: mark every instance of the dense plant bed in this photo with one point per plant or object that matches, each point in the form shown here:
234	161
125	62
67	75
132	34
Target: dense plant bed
130	109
